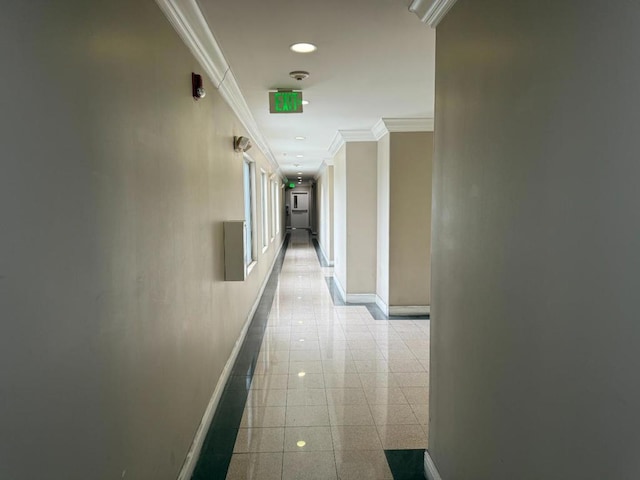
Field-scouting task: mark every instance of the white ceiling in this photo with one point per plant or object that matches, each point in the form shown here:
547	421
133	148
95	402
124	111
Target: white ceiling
375	59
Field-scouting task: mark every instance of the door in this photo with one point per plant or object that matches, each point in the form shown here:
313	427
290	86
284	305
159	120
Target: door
300	209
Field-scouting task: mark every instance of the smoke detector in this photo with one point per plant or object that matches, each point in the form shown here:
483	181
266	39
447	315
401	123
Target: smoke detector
299	74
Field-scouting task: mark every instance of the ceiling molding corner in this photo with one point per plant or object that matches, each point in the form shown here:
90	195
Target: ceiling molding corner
417	124
188	21
357	135
379	130
336	145
431	12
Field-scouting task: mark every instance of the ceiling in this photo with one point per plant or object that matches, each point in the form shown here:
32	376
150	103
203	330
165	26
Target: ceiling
375	59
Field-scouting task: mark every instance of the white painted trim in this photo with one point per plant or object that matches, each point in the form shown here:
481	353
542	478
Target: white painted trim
361	297
409	310
431	12
379	129
188	21
382	305
430	469
411	124
334	148
418	124
198	440
357	135
341	291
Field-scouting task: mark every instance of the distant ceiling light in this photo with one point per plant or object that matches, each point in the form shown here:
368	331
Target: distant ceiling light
299	75
300	156
300	138
305	102
303	47
299	173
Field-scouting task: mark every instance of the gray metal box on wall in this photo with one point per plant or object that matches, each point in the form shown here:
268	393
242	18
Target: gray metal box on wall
234	254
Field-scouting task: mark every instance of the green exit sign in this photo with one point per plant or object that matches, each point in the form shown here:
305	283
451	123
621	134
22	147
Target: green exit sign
285	102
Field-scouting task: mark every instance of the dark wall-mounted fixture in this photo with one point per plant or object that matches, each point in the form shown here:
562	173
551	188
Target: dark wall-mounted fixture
198	91
241	144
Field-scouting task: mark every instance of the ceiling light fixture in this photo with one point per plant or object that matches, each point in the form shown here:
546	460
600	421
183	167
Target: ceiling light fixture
300	156
305	102
300	138
303	47
299	173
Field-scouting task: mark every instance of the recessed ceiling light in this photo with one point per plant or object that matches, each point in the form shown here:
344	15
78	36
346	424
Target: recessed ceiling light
303	47
300	138
305	102
299	173
300	156
301	443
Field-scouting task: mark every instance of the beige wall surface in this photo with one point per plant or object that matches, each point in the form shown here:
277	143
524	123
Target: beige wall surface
340	216
536	234
361	216
114	183
382	238
411	155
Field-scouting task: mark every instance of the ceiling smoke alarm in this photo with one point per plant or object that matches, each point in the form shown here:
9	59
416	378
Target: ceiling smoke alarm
299	74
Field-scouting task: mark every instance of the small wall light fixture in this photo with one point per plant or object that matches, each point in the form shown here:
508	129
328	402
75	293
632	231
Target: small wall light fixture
198	91
241	144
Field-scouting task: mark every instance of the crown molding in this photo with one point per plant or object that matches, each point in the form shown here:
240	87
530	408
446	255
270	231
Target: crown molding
431	12
336	145
379	130
421	124
357	135
387	125
188	21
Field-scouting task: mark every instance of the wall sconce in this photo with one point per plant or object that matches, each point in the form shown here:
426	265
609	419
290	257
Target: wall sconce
241	144
198	91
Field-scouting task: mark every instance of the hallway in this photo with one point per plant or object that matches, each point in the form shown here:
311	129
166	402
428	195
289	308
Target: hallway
332	389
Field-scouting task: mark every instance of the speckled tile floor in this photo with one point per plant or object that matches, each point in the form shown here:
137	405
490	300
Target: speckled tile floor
321	390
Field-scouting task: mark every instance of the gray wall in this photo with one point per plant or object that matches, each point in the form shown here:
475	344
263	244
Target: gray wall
536	234
114	183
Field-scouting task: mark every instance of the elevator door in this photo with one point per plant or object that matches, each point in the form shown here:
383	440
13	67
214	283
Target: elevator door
300	210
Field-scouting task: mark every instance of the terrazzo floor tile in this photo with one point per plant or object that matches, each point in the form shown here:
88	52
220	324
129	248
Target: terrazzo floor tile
324	388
